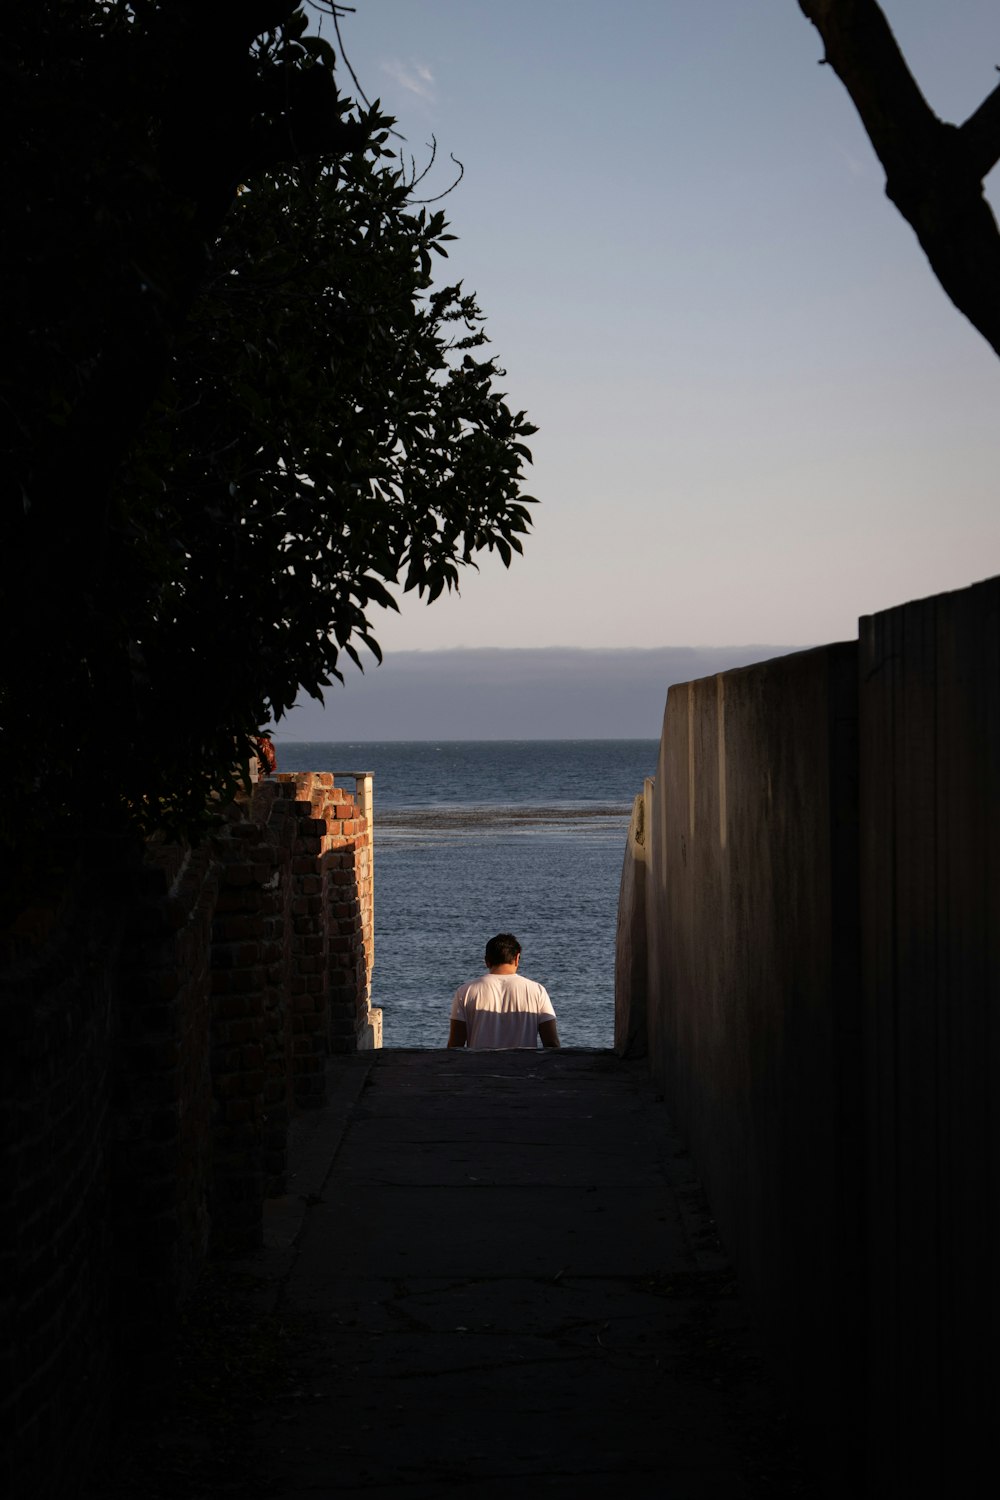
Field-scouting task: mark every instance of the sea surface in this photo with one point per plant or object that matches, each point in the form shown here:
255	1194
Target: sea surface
478	837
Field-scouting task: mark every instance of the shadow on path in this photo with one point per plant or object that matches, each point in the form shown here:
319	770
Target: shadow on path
494	1277
513	1288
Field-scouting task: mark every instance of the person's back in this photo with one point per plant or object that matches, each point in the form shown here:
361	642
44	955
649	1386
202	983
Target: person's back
502	1009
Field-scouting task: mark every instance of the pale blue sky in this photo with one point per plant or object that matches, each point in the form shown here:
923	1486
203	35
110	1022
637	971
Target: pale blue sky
759	415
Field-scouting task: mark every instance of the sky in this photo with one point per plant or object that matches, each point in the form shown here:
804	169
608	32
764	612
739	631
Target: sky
759	416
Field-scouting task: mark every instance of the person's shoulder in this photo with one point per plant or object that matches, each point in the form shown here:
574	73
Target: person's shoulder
471	985
539	993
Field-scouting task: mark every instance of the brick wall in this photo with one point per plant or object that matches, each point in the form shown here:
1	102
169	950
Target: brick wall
249	1019
332	948
57	1013
160	1018
160	1159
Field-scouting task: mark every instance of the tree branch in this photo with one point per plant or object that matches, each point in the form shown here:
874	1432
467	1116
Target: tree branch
933	170
864	54
981	134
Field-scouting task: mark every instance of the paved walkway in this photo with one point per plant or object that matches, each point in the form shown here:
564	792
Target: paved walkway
514	1291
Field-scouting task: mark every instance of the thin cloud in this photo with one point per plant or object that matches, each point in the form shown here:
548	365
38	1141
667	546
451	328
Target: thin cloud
855	166
415	77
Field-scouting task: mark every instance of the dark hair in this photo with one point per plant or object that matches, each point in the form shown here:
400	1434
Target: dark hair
502	949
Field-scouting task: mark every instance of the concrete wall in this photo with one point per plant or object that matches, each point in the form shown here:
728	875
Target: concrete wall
822	927
631	958
930	883
752	987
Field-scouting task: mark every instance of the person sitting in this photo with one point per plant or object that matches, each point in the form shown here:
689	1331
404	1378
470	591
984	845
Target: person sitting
502	1009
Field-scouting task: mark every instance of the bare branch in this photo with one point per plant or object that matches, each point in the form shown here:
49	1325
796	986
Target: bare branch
933	170
438	196
981	133
336	13
416	178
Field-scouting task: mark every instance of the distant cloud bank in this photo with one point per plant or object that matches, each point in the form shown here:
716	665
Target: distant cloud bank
495	693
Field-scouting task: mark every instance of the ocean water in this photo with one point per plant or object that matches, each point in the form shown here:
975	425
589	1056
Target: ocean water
478	837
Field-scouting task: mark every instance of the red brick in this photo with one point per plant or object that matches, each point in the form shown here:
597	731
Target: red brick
244	981
235	929
230	1007
245	1031
227	1086
243	831
310	849
238	899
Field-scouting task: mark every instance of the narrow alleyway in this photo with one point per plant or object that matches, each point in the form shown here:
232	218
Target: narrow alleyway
512	1288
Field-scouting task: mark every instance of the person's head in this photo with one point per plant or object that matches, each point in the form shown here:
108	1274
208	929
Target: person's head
502	949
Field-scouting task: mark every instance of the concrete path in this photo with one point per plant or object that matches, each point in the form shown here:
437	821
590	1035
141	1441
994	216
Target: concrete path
513	1289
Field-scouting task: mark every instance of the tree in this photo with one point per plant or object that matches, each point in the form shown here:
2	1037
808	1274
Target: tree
934	170
235	418
329	426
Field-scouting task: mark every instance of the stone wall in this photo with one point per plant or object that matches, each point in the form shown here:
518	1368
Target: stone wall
163	1014
819	906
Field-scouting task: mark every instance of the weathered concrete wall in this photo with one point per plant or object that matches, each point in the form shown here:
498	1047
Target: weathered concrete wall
160	1017
753	986
930	882
631	960
823	992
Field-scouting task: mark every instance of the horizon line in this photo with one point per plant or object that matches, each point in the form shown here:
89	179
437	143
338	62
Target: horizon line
725	646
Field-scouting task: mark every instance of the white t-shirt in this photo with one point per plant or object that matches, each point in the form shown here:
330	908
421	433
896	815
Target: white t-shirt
502	1010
